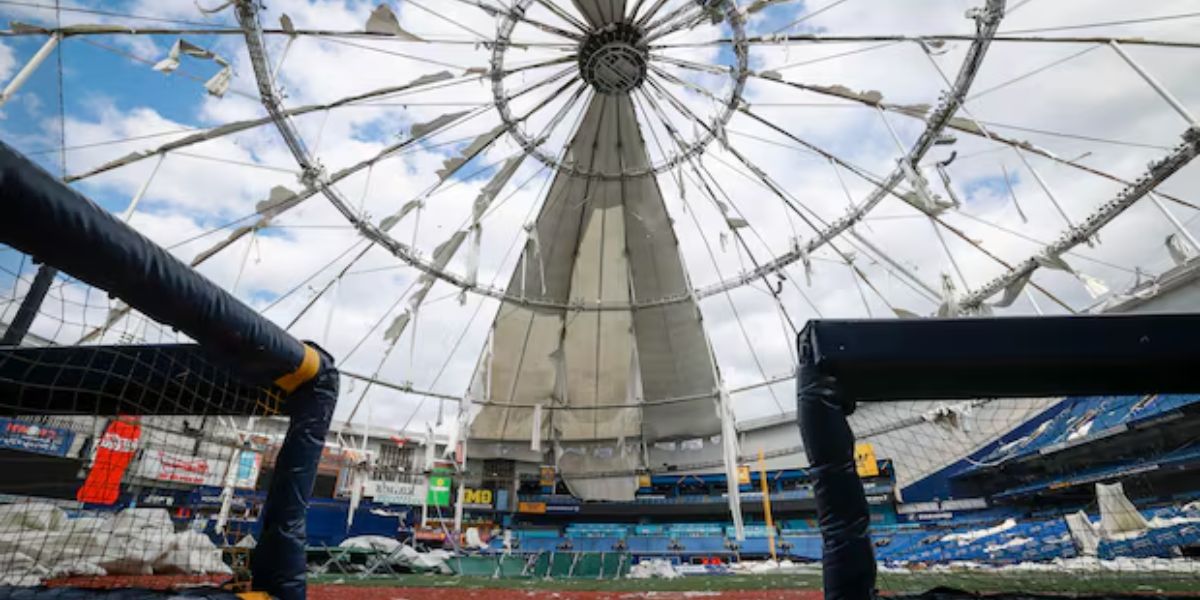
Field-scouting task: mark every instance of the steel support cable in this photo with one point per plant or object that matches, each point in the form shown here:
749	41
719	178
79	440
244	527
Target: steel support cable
1072	136
307	280
708	248
909	279
1191	141
700	173
397	54
202	28
937	232
829	57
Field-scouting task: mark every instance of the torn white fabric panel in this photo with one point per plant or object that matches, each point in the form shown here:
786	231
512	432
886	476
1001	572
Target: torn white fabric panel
948	185
1053	262
489	192
430	448
430	78
278	196
1117	514
1180	251
535	436
217	85
949	307
390	221
904	313
1013	290
399	324
423	129
579	465
383	21
454	163
285	23
1012	194
216	9
806	260
473	256
921	196
1095	287
1083	533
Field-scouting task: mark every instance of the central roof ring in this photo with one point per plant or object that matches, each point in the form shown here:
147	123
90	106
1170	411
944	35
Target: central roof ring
614	59
622	55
